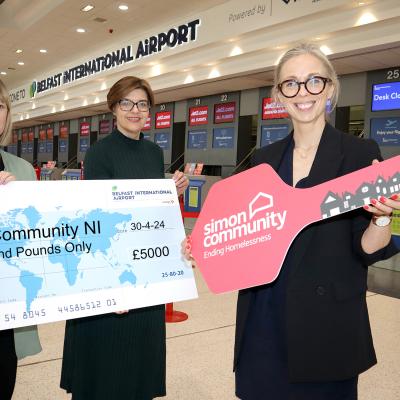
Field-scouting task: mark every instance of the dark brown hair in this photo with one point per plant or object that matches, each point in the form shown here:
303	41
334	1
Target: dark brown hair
125	85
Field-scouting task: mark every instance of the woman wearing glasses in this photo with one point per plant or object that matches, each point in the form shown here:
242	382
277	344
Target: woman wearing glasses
121	355
307	336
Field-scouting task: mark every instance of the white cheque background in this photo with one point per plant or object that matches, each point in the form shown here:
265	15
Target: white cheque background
79	248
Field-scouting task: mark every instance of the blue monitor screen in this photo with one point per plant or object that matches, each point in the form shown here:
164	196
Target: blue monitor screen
386	131
197	139
63	145
386	96
273	133
83	144
223	138
162	139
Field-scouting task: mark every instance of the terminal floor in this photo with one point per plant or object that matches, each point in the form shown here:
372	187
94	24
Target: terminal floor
199	351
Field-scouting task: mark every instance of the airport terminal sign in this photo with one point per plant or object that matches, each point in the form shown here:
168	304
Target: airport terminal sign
272	110
198	115
273	133
386	96
163	119
386	131
171	38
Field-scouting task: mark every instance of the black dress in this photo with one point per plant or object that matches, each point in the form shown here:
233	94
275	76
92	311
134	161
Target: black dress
114	356
262	369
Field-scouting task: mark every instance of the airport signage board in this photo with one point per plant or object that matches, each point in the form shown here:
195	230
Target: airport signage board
83	144
224	112
49	146
64	132
170	38
24	142
147	125
104	127
84	128
42	147
223	138
386	96
62	145
163	119
24	147
386	131
273	110
42	134
198	115
162	139
197	139
273	133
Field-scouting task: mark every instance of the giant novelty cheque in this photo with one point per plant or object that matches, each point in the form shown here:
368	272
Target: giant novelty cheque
78	248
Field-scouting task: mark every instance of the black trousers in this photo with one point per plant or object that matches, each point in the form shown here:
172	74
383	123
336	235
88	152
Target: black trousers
8	364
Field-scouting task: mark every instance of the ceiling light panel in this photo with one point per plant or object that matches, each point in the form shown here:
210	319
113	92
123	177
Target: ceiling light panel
87	8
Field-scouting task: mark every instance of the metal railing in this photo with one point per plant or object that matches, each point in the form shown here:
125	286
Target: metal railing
69	163
245	162
176	164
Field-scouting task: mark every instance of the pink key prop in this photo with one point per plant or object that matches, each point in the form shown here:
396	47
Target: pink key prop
249	220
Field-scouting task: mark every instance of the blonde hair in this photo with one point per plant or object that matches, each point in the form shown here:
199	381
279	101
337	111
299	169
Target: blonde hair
308	48
5	136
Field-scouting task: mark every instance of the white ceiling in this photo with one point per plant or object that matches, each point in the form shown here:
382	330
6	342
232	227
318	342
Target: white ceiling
51	24
32	25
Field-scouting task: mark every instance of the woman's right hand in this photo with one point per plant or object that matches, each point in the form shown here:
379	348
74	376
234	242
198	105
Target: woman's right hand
186	249
6	177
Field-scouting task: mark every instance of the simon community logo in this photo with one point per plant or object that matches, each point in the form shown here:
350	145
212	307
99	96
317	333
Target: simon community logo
244	223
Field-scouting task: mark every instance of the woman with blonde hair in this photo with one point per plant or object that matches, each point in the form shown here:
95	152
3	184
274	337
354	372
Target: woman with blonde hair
307	336
21	342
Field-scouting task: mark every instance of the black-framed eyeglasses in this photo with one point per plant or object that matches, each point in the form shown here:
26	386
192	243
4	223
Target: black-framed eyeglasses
314	85
128	105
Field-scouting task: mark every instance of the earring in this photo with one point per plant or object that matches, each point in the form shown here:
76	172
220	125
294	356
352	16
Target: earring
328	106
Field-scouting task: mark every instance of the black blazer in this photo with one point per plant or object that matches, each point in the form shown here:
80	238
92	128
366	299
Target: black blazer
328	331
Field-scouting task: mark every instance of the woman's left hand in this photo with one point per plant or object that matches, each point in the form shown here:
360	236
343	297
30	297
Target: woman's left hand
6	177
376	237
181	182
384	205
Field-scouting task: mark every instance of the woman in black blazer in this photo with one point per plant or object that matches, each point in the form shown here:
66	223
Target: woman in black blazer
307	335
